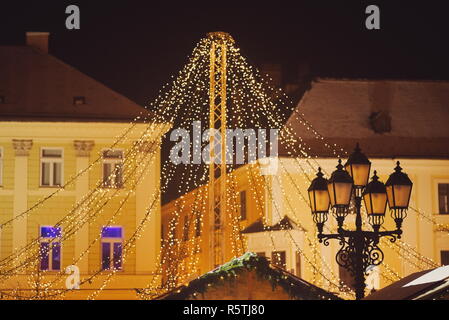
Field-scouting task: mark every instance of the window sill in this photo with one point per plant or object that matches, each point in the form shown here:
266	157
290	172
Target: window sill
51	272
111	270
50	187
112	188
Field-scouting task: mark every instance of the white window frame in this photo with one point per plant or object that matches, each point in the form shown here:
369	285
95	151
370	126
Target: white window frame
1	165
111	185
50	252
111	249
51	160
437	196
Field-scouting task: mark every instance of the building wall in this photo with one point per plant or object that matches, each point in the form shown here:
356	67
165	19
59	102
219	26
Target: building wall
193	256
21	190
286	194
417	232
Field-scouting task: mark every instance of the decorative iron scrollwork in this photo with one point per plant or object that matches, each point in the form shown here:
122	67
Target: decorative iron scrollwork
347	258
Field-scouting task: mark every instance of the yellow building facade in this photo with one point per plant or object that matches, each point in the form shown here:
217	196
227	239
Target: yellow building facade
277	221
79	182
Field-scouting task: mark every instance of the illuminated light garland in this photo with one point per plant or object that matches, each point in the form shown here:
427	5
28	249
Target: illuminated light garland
428	217
67	234
312	244
263	104
167	96
189	88
74	209
253	122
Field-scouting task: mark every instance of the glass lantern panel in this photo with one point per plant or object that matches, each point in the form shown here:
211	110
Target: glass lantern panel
402	195
319	200
330	188
375	203
390	196
342	195
360	174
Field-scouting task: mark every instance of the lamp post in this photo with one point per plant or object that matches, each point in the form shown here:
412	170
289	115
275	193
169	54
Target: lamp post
359	248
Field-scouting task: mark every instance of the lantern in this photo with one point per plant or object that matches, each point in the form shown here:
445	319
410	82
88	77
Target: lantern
358	167
375	197
319	199
399	190
340	187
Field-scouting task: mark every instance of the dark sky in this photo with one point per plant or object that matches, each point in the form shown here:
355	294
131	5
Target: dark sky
134	46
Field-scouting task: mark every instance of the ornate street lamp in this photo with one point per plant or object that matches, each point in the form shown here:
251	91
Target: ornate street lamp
340	191
358	166
319	200
359	248
375	198
399	189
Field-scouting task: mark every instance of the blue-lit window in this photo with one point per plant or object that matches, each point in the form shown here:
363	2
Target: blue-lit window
111	248
50	248
50	232
111	232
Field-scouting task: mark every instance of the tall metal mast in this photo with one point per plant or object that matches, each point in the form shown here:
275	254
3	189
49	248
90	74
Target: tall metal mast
217	143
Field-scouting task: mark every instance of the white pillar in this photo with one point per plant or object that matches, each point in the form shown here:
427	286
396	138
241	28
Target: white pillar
82	152
423	194
19	226
149	243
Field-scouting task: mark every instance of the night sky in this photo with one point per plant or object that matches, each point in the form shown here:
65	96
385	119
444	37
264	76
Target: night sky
134	46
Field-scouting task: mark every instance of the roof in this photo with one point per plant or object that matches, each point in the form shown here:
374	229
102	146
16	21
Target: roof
38	87
389	118
295	286
285	224
427	284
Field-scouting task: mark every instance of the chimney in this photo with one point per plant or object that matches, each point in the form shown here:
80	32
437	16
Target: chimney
38	40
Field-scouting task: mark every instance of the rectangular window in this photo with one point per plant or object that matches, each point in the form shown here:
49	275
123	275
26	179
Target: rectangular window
242	205
113	168
298	264
186	228
111	248
278	259
198	224
51	167
1	166
445	258
79	100
261	254
443	198
50	248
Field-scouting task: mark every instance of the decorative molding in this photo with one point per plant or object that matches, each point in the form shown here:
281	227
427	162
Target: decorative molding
83	147
22	147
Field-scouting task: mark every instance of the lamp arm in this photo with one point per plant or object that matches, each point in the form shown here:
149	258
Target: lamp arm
324	238
374	236
393	235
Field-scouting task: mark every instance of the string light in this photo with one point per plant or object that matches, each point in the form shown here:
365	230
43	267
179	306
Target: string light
179	257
